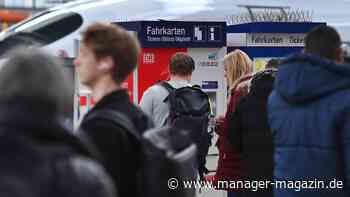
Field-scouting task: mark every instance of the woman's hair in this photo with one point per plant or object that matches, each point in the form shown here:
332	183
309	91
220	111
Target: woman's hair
238	64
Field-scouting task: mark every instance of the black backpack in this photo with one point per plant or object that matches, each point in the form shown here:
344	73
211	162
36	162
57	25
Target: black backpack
190	110
168	157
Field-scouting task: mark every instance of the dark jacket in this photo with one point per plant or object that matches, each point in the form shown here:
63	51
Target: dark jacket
250	132
119	149
309	117
230	166
39	158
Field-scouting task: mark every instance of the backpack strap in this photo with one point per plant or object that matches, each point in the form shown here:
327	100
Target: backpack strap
168	87
197	86
118	119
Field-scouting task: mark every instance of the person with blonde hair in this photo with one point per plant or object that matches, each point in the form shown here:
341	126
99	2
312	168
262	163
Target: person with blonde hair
238	72
237	64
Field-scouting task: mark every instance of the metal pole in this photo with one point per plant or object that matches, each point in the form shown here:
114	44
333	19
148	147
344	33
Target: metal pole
252	18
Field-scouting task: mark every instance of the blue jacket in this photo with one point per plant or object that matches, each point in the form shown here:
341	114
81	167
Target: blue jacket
309	115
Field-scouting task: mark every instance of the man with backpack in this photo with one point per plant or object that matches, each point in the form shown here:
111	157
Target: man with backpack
152	103
179	104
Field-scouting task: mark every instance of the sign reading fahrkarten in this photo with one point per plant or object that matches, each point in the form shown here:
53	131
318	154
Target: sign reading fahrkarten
159	34
275	39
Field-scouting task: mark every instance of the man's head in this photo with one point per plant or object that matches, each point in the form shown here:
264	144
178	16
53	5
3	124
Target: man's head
325	42
34	77
106	50
181	65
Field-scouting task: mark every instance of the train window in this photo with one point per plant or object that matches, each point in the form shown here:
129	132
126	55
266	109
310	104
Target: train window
52	25
56	27
41	30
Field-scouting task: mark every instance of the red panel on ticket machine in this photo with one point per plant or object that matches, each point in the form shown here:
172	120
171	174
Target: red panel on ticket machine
154	66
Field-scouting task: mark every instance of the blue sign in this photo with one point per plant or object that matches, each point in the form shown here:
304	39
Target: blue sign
254	52
286	36
210	85
273	27
214	33
179	34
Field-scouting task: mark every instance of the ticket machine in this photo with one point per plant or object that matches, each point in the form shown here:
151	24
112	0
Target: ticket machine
204	41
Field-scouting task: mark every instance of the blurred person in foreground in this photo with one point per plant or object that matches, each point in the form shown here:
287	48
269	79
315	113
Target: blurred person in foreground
39	157
308	112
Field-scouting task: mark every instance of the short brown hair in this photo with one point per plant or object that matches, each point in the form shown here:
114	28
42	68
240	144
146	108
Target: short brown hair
181	64
112	40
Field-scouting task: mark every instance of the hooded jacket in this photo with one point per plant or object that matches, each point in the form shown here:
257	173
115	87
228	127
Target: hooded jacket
40	158
309	117
250	133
